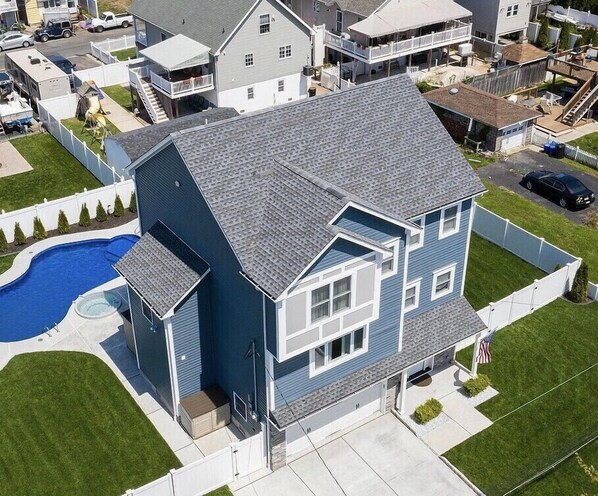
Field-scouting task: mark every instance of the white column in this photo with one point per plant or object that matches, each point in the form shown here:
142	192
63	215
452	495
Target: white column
476	350
403	392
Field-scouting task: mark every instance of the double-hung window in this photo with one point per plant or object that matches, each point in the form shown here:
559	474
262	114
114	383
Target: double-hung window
250	93
443	282
147	312
390	260
285	52
330	299
340	349
249	60
449	221
264	23
512	10
281	85
416	240
412	295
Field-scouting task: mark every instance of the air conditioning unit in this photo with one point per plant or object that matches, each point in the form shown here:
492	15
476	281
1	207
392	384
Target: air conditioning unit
465	49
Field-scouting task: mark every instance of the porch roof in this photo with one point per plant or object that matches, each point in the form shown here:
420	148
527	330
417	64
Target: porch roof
178	52
402	15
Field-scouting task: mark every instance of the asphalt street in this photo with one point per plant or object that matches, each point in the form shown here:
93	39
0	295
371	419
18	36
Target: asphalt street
510	172
76	48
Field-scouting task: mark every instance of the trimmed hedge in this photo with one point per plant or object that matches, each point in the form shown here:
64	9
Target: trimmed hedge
19	235
427	411
84	220
3	242
63	223
101	215
476	385
119	209
133	203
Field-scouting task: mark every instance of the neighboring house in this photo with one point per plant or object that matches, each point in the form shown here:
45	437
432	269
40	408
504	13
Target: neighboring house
538	9
8	13
244	54
493	19
32	12
468	112
124	148
308	259
370	35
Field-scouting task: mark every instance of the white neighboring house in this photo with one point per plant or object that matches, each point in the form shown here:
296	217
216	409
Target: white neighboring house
244	54
8	13
494	19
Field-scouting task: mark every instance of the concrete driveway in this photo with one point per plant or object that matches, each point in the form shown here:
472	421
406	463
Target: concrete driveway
510	172
379	458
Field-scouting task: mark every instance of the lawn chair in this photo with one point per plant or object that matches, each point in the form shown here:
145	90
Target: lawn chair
546	108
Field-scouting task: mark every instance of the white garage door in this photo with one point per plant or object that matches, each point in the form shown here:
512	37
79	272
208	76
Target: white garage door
512	136
334	419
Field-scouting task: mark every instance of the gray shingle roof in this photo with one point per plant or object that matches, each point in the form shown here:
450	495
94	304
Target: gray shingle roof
161	268
378	144
423	336
210	22
135	143
361	7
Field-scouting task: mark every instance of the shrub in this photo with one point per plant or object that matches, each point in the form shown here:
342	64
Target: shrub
84	220
565	36
63	223
579	290
101	213
119	209
39	231
3	242
427	411
475	386
424	86
20	238
133	203
543	39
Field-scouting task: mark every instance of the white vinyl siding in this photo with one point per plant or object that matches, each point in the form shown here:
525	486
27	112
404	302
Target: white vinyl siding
285	52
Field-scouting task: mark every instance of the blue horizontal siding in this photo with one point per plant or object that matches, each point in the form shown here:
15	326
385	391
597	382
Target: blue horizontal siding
340	252
369	226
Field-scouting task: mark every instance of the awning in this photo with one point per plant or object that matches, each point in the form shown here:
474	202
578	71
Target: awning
178	52
401	15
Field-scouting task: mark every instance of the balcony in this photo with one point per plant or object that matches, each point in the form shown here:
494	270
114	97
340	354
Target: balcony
141	37
8	6
178	88
459	33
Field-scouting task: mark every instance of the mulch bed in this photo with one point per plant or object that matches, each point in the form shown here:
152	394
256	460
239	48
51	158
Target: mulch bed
422	381
76	228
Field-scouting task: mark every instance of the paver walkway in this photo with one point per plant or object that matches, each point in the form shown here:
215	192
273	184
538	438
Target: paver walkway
123	120
11	161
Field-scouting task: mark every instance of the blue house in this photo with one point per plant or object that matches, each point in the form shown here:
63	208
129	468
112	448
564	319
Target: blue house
308	259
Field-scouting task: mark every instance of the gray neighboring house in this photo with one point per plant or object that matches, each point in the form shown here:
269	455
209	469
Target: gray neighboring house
308	259
493	19
244	54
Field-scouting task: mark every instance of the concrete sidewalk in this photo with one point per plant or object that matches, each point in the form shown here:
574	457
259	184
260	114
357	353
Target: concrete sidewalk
578	132
122	119
11	161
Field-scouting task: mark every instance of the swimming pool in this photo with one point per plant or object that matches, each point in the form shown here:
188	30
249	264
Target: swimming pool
55	278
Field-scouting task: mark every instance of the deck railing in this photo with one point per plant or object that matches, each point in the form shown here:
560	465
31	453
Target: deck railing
184	87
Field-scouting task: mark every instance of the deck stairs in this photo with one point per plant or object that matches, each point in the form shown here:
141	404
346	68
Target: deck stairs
152	102
585	98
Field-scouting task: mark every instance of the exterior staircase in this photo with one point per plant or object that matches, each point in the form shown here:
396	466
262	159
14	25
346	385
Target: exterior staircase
582	101
152	102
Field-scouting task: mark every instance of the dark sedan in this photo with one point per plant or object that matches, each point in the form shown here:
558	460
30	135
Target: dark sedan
566	190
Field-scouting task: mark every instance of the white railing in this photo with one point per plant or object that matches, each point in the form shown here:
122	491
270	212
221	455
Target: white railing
79	149
102	50
135	76
329	79
223	467
400	48
184	87
141	37
70	205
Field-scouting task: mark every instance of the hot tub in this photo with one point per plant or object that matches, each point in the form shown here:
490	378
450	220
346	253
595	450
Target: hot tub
98	305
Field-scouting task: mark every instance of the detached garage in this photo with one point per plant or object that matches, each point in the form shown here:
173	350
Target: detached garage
467	112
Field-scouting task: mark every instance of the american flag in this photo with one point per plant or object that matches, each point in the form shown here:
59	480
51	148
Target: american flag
484	355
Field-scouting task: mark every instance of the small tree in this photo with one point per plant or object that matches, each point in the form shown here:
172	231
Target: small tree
39	231
101	215
543	39
579	290
84	220
565	36
63	223
133	203
3	242
119	209
20	238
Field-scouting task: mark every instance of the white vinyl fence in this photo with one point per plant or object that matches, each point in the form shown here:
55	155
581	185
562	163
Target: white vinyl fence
79	149
329	79
71	206
540	138
106	75
102	50
220	468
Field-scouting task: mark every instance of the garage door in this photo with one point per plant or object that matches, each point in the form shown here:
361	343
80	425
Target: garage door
512	136
334	419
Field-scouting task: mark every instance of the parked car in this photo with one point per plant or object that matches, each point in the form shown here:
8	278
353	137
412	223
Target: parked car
563	188
64	64
56	28
109	20
15	39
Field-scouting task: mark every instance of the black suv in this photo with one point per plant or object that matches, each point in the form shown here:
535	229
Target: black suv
57	28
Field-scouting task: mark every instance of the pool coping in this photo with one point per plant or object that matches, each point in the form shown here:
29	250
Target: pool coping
22	261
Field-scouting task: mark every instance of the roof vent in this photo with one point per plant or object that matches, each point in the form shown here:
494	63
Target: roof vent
454	91
35	61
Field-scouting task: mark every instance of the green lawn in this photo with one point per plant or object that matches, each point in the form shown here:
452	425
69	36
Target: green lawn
221	491
577	239
56	174
588	143
120	95
6	262
580	167
493	273
530	357
70	428
126	54
76	126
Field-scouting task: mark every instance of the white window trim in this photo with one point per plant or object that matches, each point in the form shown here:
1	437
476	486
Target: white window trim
333	363
285	52
259	26
395	260
252	59
450	268
330	284
236	398
412	284
441	233
421	233
150	319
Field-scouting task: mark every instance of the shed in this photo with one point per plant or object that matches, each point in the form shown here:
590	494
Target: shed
467	112
523	54
205	411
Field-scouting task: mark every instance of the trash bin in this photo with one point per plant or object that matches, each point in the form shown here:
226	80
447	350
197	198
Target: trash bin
560	150
311	91
547	148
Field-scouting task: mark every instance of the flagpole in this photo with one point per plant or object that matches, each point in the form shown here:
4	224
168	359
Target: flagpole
476	350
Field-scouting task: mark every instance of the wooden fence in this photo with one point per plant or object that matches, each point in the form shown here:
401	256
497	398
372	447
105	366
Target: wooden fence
508	80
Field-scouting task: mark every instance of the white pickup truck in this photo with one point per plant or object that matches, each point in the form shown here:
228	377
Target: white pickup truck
110	20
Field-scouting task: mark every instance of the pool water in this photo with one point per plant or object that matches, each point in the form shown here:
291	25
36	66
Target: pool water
56	277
